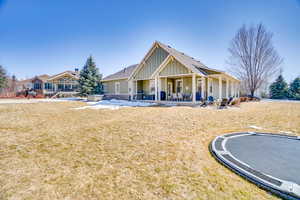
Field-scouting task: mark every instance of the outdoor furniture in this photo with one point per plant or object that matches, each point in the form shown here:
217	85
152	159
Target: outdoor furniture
210	100
162	95
198	96
223	103
174	97
180	97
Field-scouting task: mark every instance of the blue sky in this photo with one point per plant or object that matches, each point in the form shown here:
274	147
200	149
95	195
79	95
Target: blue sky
39	36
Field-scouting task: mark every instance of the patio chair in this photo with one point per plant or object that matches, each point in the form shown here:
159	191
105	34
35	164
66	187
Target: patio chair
210	100
223	103
174	97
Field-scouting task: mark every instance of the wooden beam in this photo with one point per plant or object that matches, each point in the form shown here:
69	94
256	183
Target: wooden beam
194	87
220	87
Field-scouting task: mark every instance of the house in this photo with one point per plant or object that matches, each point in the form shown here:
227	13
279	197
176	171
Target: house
116	85
166	74
65	82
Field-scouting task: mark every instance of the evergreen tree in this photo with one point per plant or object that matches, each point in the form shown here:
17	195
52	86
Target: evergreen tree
294	89
279	88
3	77
89	78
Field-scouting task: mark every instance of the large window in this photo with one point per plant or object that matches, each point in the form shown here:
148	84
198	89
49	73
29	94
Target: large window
37	86
48	86
117	87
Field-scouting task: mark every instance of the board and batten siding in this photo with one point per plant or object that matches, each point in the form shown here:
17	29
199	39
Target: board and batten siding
109	86
151	64
173	68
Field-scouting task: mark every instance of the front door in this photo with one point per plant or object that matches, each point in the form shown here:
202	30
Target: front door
170	90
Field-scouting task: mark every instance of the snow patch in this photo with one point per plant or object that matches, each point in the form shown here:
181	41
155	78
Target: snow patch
114	104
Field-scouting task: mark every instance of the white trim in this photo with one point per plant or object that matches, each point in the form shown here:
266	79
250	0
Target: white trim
150	51
220	87
166	61
194	87
227	88
177	75
116	79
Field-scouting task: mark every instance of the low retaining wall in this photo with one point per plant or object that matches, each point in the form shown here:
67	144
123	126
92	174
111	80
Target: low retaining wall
115	96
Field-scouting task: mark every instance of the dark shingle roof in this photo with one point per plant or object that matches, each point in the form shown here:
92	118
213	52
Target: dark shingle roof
122	74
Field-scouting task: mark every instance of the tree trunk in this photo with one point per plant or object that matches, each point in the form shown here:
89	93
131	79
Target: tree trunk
252	93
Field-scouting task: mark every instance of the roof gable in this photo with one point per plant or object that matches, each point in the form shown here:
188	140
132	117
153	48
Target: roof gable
189	62
68	73
151	63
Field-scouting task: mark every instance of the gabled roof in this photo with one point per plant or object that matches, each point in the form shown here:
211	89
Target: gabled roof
190	62
122	74
43	77
71	73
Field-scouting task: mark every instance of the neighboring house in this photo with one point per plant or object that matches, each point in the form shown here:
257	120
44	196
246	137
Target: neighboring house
166	74
65	82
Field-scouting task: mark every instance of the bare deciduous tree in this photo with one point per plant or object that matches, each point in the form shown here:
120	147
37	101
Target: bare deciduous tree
252	56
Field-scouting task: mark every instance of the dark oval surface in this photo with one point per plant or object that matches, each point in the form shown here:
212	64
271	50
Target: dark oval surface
272	155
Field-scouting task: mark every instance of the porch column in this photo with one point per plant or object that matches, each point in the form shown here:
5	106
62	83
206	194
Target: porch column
238	90
194	87
227	88
159	88
156	88
208	87
220	87
131	89
136	87
232	89
202	87
235	89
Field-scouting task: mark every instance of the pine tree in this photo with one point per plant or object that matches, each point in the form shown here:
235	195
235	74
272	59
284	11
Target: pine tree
294	89
3	77
89	78
279	88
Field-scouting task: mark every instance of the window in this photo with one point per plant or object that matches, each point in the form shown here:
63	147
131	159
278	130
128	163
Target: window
48	86
37	86
117	88
179	87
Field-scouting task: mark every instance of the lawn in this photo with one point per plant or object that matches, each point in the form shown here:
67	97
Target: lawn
51	151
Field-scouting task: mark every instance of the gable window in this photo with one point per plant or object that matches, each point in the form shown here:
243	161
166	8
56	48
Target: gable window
117	87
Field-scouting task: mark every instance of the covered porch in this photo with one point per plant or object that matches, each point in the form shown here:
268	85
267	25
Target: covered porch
185	88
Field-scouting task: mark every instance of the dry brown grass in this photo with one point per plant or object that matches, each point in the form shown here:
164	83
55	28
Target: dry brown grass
49	151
